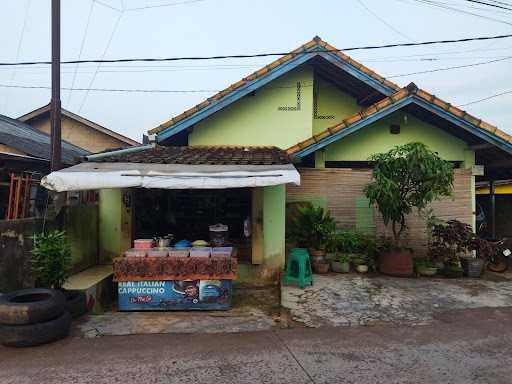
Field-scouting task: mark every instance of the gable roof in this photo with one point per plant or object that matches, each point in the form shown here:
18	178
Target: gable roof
33	142
314	48
91	124
405	96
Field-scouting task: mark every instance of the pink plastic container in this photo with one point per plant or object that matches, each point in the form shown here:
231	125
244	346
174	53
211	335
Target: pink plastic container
143	243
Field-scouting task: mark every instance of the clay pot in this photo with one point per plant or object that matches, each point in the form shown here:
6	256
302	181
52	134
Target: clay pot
317	255
338	267
396	262
321	267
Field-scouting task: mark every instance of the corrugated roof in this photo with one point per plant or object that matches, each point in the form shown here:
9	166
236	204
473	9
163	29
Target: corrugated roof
202	155
411	89
33	142
262	71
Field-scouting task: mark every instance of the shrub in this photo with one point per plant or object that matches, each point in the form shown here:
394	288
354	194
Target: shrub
313	227
51	259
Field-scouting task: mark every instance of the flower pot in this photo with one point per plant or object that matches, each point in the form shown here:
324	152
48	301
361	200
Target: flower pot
321	267
472	266
396	262
317	255
339	267
427	271
362	268
452	272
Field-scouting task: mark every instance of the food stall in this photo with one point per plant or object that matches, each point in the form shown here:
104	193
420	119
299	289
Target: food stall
186	276
186	191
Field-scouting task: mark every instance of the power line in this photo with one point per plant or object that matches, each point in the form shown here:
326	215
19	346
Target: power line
81	50
243	56
488	4
444	6
18	48
164	5
374	14
449	68
100	62
485	98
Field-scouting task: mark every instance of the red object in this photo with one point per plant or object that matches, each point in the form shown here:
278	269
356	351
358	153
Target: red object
397	262
143	243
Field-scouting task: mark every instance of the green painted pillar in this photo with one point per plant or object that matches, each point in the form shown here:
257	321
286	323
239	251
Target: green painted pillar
115	223
274	212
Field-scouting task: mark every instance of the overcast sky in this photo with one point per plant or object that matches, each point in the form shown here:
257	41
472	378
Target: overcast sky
218	27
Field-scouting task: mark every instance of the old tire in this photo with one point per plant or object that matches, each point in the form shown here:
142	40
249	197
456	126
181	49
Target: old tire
35	334
76	303
30	306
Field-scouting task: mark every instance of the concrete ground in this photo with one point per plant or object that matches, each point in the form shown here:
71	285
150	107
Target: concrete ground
458	347
344	300
254	309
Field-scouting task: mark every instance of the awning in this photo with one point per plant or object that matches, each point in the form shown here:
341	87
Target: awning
104	175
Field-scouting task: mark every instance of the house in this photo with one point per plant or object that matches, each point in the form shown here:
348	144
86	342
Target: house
24	159
329	113
500	202
78	130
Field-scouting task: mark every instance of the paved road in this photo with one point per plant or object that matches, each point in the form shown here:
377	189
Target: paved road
470	346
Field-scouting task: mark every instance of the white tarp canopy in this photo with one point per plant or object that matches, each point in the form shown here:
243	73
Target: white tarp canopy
102	175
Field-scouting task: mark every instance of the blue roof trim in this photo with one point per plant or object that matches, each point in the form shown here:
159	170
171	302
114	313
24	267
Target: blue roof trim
274	73
353	128
477	131
481	133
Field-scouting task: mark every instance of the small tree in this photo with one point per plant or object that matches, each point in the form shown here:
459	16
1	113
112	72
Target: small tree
51	259
408	176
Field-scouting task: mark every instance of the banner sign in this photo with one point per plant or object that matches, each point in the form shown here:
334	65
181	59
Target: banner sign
171	295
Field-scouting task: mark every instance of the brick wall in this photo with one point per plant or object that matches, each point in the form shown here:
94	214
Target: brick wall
338	189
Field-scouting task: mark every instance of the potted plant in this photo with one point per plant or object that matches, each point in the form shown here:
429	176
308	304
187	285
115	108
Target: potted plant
360	264
425	267
452	241
313	228
342	264
51	265
407	177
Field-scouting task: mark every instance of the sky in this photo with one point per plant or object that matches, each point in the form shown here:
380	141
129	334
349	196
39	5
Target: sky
111	29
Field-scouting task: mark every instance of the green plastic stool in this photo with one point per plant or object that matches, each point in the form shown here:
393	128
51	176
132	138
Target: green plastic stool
298	268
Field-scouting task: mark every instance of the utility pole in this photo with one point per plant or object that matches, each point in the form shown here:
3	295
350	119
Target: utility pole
55	111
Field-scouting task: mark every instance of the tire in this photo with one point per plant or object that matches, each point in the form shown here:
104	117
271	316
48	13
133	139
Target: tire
30	306
76	303
35	334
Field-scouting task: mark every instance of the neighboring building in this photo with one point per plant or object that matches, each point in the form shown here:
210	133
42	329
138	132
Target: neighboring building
24	159
78	130
329	113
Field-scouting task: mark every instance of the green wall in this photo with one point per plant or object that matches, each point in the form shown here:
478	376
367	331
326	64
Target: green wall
81	226
256	120
331	101
376	138
274	218
115	224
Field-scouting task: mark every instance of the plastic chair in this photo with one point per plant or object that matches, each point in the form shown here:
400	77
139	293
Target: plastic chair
298	268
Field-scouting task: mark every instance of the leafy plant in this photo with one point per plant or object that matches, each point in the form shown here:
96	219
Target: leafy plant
51	258
450	240
350	241
313	227
406	177
344	258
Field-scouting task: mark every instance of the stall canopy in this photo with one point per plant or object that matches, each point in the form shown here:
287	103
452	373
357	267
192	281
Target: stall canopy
191	167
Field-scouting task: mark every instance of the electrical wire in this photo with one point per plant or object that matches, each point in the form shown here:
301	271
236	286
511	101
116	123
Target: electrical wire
18	49
84	100
486	98
374	14
449	68
243	56
488	4
81	50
